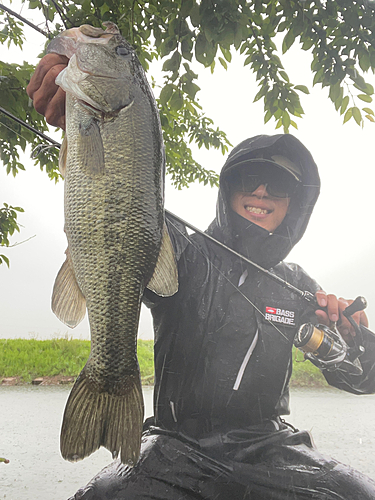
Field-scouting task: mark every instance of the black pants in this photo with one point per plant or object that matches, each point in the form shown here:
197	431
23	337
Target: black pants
267	462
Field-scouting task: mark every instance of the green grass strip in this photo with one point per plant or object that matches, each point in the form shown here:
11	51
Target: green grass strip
29	359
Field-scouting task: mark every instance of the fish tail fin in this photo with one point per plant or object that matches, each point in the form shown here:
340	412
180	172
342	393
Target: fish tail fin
93	419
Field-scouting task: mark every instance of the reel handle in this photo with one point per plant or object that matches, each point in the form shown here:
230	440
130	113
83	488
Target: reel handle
359	304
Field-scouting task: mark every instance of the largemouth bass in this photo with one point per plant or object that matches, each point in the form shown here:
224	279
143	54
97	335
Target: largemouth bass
112	160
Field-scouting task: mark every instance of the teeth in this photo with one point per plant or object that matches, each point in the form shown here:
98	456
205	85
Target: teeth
256	210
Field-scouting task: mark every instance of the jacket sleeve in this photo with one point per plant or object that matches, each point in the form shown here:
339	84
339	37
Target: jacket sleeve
357	384
180	239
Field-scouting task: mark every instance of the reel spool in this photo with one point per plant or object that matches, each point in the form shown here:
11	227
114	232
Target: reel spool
327	350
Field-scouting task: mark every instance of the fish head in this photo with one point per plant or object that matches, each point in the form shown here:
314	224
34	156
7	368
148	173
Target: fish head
102	68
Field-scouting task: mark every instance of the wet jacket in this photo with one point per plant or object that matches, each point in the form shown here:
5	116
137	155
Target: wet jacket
223	343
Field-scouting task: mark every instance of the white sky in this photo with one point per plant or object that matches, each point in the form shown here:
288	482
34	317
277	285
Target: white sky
337	249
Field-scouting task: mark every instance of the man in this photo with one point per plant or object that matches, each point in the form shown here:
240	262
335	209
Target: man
222	352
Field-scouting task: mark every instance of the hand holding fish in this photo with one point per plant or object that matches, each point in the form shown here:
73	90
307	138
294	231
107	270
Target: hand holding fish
49	98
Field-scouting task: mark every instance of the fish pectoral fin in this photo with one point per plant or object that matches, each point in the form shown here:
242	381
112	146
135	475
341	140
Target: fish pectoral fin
90	148
164	281
95	418
68	302
63	156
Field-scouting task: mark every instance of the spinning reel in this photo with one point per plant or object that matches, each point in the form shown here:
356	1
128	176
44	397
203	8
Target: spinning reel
326	348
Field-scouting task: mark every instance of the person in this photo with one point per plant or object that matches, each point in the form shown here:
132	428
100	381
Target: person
223	342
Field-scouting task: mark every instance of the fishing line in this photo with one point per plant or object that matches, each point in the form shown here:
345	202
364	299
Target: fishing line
14	132
228	280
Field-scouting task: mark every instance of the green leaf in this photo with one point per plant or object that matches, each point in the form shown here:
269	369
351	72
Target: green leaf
344	105
226	53
364	61
334	91
260	94
368	111
364	97
166	93
284	76
288	40
267	116
318	77
223	63
176	102
371	118
302	88
294	124
5	259
173	63
307	44
348	115
191	89
357	115
286	120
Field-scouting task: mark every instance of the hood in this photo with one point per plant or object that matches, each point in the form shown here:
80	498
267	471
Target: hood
267	249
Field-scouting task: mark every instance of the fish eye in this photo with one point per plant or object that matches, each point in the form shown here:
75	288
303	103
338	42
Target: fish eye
122	51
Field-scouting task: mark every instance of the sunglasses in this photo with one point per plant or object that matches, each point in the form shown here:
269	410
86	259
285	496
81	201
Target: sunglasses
278	183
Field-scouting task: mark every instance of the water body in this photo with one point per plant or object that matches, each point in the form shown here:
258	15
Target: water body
30	417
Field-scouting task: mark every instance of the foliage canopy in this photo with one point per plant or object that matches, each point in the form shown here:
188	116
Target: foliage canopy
339	37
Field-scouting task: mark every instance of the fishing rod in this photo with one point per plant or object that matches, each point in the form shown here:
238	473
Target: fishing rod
302	294
29	127
36	28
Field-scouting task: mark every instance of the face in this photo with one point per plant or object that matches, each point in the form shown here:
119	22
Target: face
260	208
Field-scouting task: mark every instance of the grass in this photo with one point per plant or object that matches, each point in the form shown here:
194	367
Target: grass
29	359
305	374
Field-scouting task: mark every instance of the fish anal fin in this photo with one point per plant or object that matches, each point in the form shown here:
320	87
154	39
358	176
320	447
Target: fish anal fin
68	302
95	418
63	156
90	148
164	281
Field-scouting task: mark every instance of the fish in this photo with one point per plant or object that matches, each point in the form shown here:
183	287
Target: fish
113	163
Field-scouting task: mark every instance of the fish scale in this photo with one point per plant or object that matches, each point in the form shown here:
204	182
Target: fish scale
113	164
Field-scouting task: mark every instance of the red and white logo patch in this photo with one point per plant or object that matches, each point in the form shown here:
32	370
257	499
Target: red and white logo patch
279	315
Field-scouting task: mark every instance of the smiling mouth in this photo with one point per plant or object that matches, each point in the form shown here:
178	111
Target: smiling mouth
258	211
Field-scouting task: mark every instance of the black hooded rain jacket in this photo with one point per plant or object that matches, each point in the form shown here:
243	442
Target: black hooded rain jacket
223	343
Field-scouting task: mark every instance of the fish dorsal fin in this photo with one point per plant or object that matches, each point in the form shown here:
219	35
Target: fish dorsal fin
68	302
90	148
63	156
164	281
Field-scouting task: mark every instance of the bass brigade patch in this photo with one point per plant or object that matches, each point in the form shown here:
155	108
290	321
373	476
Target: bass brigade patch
280	315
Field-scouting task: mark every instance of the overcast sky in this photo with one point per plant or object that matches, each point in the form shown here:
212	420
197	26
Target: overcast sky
337	249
